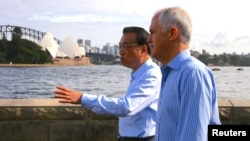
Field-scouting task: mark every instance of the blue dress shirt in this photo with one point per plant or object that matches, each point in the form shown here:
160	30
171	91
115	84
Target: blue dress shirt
188	101
137	109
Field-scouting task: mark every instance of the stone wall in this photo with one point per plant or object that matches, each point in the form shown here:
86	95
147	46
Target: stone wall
83	61
234	111
48	120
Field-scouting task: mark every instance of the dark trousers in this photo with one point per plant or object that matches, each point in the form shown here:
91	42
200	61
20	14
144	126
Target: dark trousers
152	138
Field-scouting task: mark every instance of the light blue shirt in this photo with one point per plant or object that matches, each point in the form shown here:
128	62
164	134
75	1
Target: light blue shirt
188	101
137	109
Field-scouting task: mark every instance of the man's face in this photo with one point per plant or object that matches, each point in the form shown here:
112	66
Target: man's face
129	51
157	39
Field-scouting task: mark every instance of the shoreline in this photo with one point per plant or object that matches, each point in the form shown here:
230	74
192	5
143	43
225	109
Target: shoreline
34	65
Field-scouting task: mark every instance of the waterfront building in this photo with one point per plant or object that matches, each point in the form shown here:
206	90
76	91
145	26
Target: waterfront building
88	43
67	53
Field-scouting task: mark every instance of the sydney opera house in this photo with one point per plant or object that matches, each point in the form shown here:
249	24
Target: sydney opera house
67	53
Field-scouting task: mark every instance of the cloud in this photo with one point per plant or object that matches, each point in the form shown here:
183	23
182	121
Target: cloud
75	18
95	19
226	42
220	40
223	40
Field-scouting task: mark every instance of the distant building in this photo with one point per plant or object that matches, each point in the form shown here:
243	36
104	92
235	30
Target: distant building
196	54
204	52
88	43
80	42
105	48
116	50
108	49
88	49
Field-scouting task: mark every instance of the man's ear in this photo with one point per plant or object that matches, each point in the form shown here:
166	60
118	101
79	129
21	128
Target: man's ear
145	48
173	33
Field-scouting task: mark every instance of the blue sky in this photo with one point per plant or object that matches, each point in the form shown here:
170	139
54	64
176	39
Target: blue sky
218	25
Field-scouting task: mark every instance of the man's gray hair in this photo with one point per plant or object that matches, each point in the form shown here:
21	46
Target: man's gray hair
176	16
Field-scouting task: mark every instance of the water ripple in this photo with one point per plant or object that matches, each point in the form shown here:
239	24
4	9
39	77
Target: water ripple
110	80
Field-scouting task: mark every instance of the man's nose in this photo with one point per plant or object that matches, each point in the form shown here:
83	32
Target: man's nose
149	39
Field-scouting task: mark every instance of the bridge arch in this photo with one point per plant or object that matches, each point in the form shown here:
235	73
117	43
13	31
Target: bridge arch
36	36
32	34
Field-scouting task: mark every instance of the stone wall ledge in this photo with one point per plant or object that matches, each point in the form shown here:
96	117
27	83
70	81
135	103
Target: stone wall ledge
45	109
49	120
232	111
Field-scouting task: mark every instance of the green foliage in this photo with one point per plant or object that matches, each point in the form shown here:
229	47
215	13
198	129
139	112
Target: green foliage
16	35
19	59
22	51
225	59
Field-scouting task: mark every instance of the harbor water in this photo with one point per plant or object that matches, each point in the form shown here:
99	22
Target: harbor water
110	80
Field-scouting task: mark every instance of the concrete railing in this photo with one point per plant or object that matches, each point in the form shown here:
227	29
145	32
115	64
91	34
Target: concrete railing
48	120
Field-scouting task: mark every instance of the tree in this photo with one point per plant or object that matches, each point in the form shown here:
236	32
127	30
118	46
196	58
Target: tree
17	33
22	51
204	58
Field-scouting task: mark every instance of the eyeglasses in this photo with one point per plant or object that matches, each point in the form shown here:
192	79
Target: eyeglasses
126	46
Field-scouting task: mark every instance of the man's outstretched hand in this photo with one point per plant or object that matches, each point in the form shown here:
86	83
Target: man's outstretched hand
67	95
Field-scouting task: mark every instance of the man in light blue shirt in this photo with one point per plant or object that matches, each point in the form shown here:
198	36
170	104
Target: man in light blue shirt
137	108
188	99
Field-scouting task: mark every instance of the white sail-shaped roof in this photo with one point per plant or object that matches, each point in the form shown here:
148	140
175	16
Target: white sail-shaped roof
82	50
50	44
61	54
69	47
53	50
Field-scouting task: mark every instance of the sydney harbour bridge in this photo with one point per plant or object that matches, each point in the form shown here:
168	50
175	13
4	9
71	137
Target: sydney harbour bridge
28	33
36	36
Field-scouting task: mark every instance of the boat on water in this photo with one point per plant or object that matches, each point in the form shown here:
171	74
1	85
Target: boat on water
215	69
239	69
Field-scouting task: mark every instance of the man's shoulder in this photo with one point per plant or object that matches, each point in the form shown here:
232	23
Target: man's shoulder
193	65
153	69
192	62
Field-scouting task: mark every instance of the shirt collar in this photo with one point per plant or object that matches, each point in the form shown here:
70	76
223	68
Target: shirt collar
177	61
141	69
